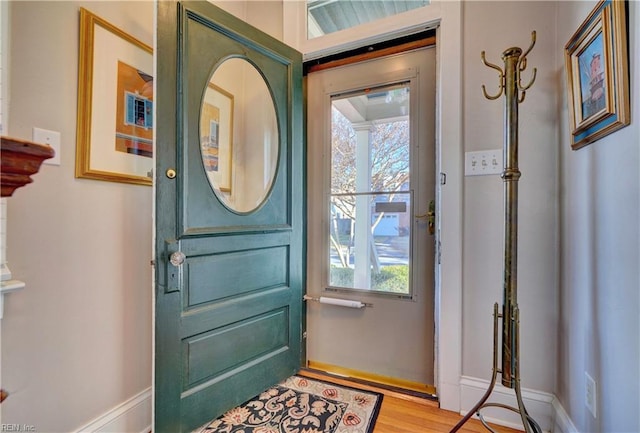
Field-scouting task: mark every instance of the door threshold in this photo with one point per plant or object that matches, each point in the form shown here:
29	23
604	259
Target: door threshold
393	382
383	388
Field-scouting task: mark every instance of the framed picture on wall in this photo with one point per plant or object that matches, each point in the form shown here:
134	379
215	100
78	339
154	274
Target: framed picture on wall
115	104
597	68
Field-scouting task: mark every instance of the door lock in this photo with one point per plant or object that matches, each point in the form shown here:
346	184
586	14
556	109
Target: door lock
431	217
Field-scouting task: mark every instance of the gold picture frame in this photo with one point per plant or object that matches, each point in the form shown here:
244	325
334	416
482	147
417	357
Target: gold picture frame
216	136
597	74
115	104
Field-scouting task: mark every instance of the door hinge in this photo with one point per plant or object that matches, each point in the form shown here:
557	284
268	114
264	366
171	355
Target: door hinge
439	251
443	178
304	335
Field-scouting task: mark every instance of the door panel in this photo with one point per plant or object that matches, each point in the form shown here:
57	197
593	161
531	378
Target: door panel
207	280
228	317
208	355
204	212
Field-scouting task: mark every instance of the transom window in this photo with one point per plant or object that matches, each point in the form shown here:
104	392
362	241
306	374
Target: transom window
328	16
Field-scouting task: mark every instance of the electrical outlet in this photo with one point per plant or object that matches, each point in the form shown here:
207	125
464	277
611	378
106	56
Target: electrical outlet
50	138
590	394
483	162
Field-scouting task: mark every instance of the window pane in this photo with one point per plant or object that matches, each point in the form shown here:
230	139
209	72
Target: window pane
385	266
328	16
370	221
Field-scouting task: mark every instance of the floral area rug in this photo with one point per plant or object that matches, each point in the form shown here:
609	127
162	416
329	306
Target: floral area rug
302	405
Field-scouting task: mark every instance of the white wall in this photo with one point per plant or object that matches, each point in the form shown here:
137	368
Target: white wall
494	27
599	332
76	341
265	15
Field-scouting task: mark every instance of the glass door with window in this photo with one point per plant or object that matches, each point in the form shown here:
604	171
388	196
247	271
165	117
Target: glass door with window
371	177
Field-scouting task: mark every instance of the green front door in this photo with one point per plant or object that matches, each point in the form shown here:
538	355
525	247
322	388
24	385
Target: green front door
228	279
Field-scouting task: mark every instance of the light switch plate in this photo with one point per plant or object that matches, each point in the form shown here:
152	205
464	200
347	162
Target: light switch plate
50	138
483	162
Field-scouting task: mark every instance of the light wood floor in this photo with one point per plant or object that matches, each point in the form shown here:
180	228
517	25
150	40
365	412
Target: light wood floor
401	413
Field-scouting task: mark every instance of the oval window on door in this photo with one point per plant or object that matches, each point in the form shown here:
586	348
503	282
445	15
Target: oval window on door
239	139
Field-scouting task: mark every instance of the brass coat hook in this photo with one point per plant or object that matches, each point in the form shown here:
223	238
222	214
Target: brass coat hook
533	42
500	79
522	65
515	63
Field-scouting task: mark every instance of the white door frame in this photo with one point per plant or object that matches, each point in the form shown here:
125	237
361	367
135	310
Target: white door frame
446	17
449	205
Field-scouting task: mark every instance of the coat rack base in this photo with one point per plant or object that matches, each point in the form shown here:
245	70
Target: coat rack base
529	424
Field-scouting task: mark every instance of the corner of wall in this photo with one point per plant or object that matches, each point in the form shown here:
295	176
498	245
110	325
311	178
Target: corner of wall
543	407
539	404
562	422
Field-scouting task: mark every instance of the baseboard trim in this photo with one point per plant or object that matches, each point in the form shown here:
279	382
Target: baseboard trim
133	415
562	423
539	404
